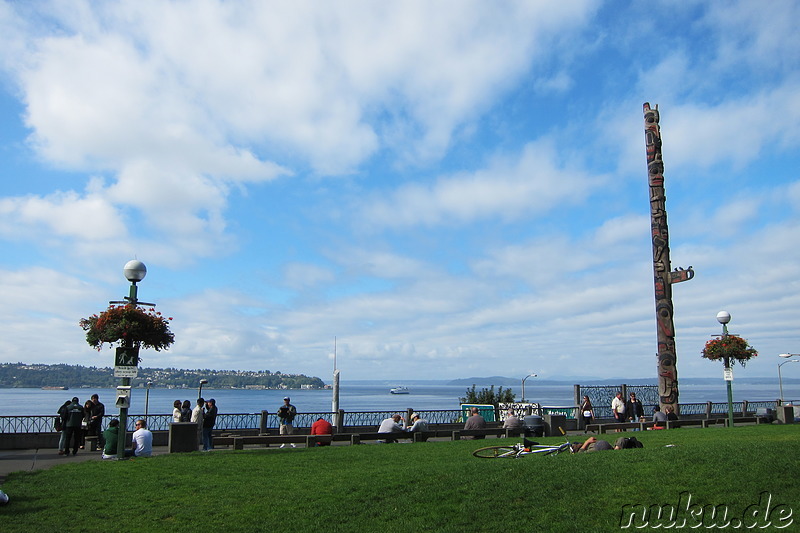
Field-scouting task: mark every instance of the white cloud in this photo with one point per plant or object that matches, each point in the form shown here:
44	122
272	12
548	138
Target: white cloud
508	189
304	275
765	40
63	215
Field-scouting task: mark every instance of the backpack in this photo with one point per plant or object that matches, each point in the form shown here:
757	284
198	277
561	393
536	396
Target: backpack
632	442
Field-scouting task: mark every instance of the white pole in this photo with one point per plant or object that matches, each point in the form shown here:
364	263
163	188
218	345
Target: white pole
335	399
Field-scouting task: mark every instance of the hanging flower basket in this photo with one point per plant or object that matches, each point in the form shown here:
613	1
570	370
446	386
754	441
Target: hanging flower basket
128	324
731	346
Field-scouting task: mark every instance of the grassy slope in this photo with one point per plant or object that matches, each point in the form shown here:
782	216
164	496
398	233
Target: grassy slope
433	486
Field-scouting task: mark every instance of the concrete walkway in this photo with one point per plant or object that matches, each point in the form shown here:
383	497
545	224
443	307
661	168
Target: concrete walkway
29	460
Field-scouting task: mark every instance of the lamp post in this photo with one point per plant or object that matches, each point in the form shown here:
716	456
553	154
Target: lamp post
523	386
147	399
723	317
200	389
786	356
134	271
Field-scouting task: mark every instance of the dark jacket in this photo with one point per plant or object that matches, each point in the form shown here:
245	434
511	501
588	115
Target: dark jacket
634	410
75	415
98	412
210	417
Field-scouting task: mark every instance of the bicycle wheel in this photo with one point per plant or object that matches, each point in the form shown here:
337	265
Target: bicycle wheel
495	452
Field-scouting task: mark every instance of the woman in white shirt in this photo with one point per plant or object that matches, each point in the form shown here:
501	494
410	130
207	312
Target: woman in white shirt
176	412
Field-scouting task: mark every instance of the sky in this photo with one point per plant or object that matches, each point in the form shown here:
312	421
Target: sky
424	189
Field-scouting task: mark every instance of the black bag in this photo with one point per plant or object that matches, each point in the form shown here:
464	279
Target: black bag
57	423
632	442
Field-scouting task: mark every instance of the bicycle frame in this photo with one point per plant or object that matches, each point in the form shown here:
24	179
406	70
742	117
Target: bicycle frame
523	449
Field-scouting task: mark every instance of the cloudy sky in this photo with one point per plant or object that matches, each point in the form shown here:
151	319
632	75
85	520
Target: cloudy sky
448	188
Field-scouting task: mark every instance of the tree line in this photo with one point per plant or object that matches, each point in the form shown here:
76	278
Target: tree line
22	375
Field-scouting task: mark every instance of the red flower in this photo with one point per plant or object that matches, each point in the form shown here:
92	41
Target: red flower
133	325
731	347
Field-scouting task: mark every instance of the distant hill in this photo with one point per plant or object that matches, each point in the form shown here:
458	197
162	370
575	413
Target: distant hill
19	375
486	382
503	381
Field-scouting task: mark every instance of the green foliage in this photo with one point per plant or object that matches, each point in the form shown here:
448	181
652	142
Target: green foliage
20	375
488	396
435	486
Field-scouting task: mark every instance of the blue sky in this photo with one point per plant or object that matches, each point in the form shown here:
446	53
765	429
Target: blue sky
449	189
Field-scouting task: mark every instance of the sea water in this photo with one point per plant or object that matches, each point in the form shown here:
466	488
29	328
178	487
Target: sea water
354	396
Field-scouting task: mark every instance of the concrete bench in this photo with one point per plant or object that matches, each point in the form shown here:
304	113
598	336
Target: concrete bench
673	424
483	433
417	436
90	443
613	426
239	442
719	421
268	440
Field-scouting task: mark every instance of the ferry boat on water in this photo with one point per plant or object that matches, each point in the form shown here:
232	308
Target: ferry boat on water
55	388
400	390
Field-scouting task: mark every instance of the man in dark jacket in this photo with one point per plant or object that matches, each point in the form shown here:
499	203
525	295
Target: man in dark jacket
209	419
75	415
633	409
96	420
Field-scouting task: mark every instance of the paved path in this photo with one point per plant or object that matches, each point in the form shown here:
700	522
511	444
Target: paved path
16	460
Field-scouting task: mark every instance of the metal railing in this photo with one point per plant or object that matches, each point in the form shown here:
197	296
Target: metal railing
239	421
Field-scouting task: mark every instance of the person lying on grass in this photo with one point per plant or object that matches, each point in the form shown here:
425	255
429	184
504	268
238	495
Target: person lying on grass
593	444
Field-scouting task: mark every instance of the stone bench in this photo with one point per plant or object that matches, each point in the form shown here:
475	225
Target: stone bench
483	433
673	424
90	443
417	436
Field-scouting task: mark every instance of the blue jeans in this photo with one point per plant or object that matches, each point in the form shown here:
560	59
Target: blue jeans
207	440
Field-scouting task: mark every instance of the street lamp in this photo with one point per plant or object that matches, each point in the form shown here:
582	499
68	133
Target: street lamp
785	356
134	271
723	317
523	386
200	390
147	399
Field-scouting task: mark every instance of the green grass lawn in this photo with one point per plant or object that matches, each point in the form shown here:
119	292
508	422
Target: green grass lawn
434	486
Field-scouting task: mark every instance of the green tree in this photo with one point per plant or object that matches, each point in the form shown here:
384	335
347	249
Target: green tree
488	396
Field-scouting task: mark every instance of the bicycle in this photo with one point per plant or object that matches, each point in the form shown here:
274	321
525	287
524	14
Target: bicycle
526	447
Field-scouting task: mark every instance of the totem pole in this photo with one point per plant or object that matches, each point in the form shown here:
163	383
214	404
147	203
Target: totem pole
662	277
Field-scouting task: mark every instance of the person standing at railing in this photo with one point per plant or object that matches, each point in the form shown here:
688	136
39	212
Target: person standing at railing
75	416
96	421
87	420
186	411
286	414
618	409
209	419
633	409
587	412
197	418
176	411
61	425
